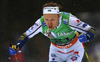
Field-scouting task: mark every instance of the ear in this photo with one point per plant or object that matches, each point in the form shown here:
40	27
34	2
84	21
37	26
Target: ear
59	15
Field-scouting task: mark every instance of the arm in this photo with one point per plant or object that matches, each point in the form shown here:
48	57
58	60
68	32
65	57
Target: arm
32	31
82	27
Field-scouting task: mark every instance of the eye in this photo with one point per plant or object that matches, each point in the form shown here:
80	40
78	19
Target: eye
52	19
46	19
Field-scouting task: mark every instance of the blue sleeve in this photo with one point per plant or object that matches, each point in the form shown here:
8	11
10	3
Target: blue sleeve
22	40
91	33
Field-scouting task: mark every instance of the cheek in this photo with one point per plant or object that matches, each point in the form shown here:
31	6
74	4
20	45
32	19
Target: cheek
57	22
46	22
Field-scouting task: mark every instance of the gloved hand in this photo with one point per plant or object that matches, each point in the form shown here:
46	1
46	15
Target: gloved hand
82	38
13	50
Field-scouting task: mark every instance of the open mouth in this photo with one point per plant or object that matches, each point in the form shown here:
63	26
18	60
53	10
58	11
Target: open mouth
50	27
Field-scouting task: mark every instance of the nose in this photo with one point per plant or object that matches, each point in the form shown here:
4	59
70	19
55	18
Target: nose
49	23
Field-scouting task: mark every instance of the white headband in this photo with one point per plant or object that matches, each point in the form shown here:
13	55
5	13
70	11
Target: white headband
51	10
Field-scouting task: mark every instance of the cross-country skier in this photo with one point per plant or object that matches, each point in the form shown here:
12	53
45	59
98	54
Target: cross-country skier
65	31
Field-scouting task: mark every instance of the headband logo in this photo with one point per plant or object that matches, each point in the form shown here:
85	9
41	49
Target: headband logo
49	10
55	8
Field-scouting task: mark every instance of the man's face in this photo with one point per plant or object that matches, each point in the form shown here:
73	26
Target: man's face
52	20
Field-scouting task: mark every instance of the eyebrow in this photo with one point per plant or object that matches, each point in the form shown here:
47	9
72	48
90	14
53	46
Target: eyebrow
50	20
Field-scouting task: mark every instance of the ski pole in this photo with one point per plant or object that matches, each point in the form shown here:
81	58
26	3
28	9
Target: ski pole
84	49
16	57
87	56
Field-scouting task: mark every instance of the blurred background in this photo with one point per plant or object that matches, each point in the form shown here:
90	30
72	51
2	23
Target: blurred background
16	16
